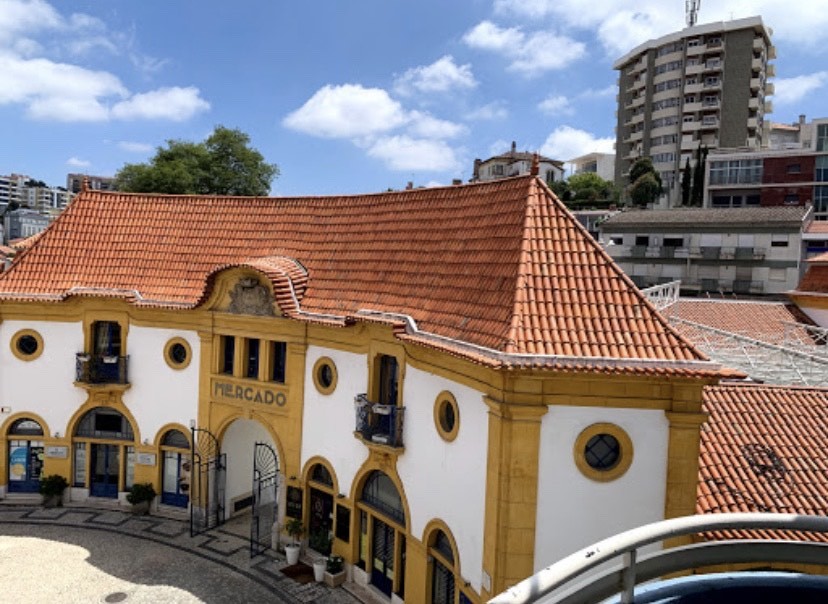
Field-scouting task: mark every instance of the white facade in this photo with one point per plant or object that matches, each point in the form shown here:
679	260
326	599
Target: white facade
574	511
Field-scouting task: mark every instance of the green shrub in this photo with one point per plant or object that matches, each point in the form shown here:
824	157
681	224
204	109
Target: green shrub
53	485
140	492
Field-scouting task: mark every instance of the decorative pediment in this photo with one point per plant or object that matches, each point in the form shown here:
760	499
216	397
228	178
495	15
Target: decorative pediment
249	297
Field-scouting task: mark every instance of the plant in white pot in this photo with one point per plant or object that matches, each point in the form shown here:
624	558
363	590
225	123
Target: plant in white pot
295	529
319	566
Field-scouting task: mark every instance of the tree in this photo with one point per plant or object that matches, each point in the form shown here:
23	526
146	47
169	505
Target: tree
645	182
223	164
589	187
561	189
686	180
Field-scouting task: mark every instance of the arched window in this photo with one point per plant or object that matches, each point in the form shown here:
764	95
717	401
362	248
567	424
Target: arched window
25	427
382	534
175	438
103	453
381	494
104	423
320	474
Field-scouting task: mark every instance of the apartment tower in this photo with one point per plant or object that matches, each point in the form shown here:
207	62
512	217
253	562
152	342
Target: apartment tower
705	85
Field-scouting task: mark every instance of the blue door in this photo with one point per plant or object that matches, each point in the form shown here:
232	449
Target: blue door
105	464
382	569
25	466
175	486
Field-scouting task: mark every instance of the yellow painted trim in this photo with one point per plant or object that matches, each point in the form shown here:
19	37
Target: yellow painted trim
460	584
6	426
114	403
168	353
682	467
92	316
625	457
15	340
445	400
159	435
306	472
317	368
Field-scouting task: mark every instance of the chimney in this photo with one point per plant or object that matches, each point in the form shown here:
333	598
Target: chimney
409	186
801	119
476	172
456	181
514	148
535	165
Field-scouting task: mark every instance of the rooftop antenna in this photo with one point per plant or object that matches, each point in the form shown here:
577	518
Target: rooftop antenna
692	10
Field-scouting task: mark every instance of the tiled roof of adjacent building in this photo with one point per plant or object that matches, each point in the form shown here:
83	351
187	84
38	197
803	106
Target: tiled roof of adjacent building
815	280
771	322
818	227
708	217
763	449
499	272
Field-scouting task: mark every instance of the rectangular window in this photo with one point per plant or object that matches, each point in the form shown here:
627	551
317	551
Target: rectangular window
642	240
673	241
821	165
278	355
822	137
779	241
107	338
791	199
252	360
389	379
794	168
79	479
228	352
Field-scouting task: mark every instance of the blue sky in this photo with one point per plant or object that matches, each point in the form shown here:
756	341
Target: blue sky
347	96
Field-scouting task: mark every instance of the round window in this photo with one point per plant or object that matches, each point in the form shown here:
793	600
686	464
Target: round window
324	375
446	416
603	452
177	353
27	345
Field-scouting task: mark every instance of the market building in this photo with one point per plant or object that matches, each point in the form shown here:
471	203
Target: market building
447	386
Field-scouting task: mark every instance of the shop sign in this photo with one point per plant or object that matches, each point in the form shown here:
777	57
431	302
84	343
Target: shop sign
231	392
57	452
145	459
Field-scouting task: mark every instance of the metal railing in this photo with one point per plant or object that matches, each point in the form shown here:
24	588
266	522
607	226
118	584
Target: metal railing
101	369
378	423
636	568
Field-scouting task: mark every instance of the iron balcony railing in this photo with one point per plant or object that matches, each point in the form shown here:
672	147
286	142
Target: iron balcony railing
378	423
101	369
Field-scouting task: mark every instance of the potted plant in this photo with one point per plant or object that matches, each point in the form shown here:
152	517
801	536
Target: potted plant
52	488
140	496
334	571
295	529
319	566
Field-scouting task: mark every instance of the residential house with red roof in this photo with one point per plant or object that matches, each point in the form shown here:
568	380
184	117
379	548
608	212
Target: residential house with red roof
450	387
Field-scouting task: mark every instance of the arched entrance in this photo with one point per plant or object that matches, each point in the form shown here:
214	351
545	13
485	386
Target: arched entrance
382	534
320	509
445	583
238	443
25	456
176	469
103	453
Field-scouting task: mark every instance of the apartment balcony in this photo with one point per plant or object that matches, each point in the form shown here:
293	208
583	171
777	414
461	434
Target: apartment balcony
689	144
692	107
693	51
693	88
753	103
770	89
379	424
708	105
746	286
749	253
771	52
755	83
713	85
710	252
709	123
753	142
770	70
768	106
694	69
757	64
752	123
759	44
691	126
713	65
101	369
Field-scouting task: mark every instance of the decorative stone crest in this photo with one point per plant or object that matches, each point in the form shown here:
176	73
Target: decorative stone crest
249	297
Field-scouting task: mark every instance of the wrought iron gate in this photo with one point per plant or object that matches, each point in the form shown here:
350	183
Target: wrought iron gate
265	504
208	478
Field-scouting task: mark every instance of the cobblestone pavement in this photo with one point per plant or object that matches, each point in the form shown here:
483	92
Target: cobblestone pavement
94	555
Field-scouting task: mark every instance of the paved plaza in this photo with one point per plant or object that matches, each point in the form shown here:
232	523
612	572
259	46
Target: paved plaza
79	554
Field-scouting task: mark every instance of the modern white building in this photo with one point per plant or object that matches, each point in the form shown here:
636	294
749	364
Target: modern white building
602	164
703	86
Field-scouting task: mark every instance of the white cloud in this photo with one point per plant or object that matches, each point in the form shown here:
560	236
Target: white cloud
441	76
18	16
134	147
347	111
499	146
78	163
566	142
427	126
556	105
176	104
792	90
410	154
600	93
621	28
530	54
495	110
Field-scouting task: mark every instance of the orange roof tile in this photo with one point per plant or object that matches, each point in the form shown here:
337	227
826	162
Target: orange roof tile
815	280
772	322
818	227
763	450
488	269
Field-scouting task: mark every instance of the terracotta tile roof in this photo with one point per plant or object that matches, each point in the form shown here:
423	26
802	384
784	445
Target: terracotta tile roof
815	280
772	322
488	269
689	217
818	226
763	449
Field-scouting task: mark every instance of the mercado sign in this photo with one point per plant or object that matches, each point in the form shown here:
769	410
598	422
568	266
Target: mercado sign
226	391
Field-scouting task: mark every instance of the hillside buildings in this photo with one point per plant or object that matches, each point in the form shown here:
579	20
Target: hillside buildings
602	164
516	163
702	86
74	182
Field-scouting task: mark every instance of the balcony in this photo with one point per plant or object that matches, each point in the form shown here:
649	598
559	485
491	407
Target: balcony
99	369
380	424
692	107
746	286
770	89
